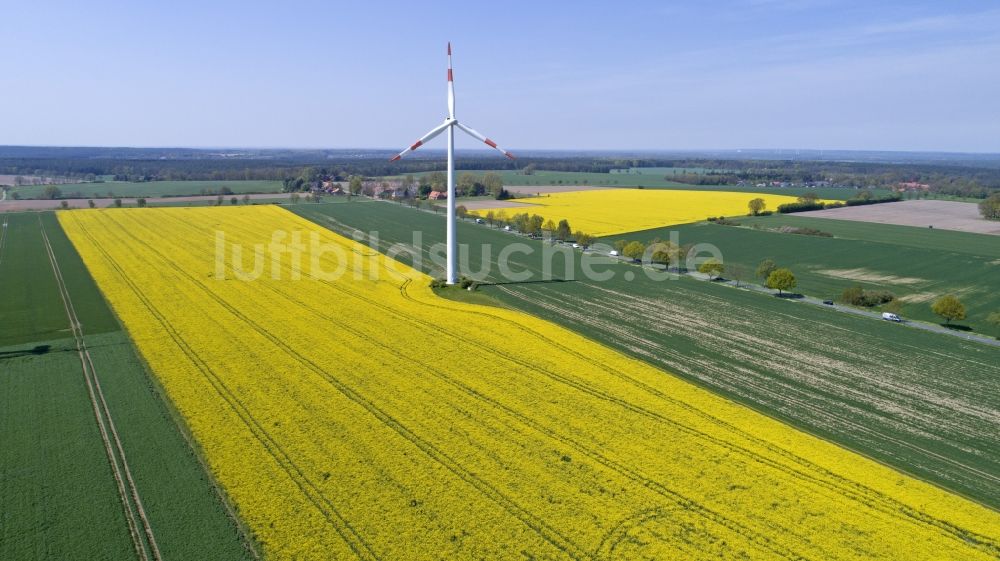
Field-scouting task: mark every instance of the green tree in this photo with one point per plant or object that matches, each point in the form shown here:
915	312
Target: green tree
355	183
51	192
584	239
437	180
246	199
550	227
781	280
756	206
620	246
494	185
563	231
990	208
853	295
90	203
808	197
118	203
466	184
994	318
491	217
765	268
634	250
711	267
535	225
461	211
64	205
141	202
662	253
295	198
520	222
949	307
529	169
737	272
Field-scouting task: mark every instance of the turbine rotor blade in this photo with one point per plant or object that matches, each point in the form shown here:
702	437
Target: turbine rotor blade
488	142
451	86
423	139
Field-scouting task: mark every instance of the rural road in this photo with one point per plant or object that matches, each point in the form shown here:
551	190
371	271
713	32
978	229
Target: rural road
852	310
810	300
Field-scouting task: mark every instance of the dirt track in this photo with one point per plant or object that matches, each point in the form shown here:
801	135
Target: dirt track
945	215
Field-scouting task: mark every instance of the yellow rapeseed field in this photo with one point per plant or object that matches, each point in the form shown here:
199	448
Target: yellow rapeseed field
365	418
605	212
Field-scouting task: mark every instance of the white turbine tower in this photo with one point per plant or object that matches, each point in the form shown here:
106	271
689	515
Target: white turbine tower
449	124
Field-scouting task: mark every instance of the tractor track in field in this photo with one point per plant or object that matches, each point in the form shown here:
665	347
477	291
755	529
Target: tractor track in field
623	470
861	492
810	471
873	499
842	420
143	539
529	519
621	333
309	489
3	237
547	532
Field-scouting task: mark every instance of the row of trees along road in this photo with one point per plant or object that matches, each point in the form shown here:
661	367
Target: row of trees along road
532	225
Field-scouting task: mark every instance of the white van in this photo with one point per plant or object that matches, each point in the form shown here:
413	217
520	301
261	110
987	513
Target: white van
891	317
614	253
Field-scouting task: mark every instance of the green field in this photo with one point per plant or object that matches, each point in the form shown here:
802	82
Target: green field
921	402
59	494
651	181
662	172
113	189
917	264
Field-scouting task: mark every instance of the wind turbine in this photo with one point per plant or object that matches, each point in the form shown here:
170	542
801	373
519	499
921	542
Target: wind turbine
449	125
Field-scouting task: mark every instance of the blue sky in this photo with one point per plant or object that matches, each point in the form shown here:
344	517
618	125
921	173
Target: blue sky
821	74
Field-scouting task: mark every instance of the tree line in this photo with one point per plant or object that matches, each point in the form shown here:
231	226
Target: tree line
183	165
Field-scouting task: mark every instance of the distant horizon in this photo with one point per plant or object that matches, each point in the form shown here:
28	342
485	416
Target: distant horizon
425	151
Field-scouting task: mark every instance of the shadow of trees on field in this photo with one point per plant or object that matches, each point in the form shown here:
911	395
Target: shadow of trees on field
36	350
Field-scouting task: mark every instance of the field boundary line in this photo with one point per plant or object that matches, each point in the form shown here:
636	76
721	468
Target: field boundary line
249	542
3	236
341	525
104	421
